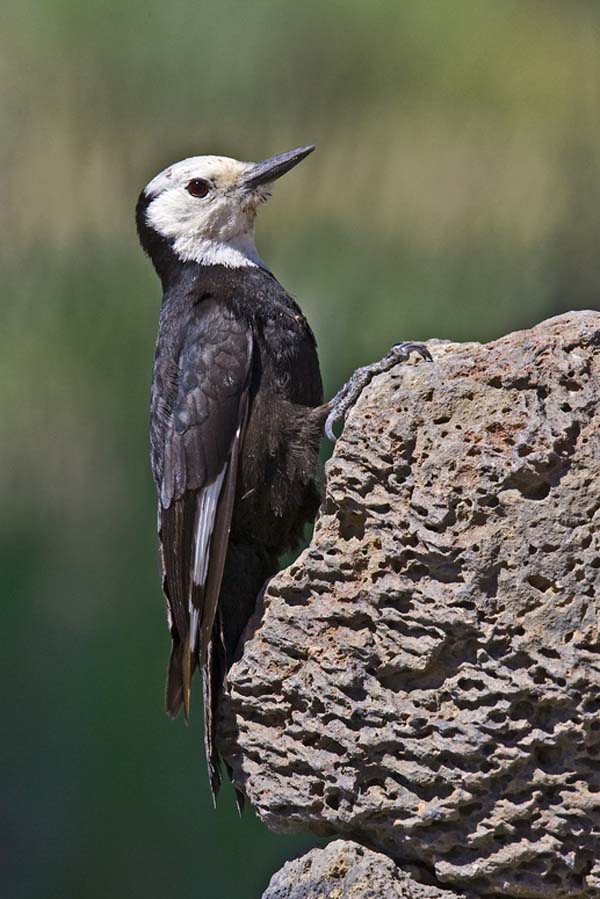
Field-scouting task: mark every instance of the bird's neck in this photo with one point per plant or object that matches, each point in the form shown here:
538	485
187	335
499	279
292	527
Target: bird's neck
190	281
237	252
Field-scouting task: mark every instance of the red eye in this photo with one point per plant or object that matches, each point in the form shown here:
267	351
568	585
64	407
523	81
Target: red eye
198	187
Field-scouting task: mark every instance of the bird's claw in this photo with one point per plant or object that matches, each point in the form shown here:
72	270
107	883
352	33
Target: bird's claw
346	397
408	348
332	419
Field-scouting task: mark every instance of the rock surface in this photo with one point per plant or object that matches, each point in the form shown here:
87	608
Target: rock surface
346	870
425	678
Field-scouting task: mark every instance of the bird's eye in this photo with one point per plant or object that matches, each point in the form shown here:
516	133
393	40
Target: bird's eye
198	187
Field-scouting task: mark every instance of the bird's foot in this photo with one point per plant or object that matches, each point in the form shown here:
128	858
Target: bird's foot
350	392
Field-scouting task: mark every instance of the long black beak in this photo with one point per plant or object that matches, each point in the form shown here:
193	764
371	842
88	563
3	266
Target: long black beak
274	167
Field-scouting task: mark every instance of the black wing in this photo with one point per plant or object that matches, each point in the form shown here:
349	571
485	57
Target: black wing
200	405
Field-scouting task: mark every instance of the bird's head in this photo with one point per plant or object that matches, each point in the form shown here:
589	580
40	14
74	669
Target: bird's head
203	209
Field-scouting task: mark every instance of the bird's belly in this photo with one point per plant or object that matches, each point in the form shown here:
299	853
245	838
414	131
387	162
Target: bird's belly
277	491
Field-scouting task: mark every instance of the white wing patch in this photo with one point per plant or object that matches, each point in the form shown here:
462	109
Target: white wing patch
205	522
208	498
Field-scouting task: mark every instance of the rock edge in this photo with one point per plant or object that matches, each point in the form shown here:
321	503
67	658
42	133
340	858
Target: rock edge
425	678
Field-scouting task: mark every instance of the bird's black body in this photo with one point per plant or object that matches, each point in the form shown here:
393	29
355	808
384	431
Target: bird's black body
236	403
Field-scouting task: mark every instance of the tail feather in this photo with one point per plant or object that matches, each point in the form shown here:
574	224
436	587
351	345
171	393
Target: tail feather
212	679
174	690
186	676
182	665
246	569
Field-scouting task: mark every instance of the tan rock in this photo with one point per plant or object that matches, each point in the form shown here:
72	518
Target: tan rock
425	678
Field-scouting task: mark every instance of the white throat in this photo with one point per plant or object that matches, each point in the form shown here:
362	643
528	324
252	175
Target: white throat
238	252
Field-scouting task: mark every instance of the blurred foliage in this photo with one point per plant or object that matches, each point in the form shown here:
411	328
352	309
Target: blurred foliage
454	194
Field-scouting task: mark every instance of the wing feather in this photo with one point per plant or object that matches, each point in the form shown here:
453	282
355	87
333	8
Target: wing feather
218	547
199	414
208	498
211	675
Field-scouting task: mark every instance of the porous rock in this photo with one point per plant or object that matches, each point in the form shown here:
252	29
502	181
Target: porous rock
425	678
346	870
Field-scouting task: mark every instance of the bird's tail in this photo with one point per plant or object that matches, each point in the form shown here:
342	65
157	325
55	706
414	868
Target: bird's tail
182	665
213	673
247	567
246	570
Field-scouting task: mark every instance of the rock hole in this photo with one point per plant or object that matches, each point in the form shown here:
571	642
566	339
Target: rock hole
351	523
333	801
547	757
524	450
541	583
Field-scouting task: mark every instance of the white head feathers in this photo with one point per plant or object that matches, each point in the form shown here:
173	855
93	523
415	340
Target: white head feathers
215	228
206	205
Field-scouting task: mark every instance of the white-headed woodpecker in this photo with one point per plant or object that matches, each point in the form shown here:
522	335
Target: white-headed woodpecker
237	413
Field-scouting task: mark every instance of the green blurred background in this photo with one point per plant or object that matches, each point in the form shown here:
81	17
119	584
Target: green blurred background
455	193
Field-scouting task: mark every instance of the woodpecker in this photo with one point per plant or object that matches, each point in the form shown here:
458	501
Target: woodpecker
237	413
